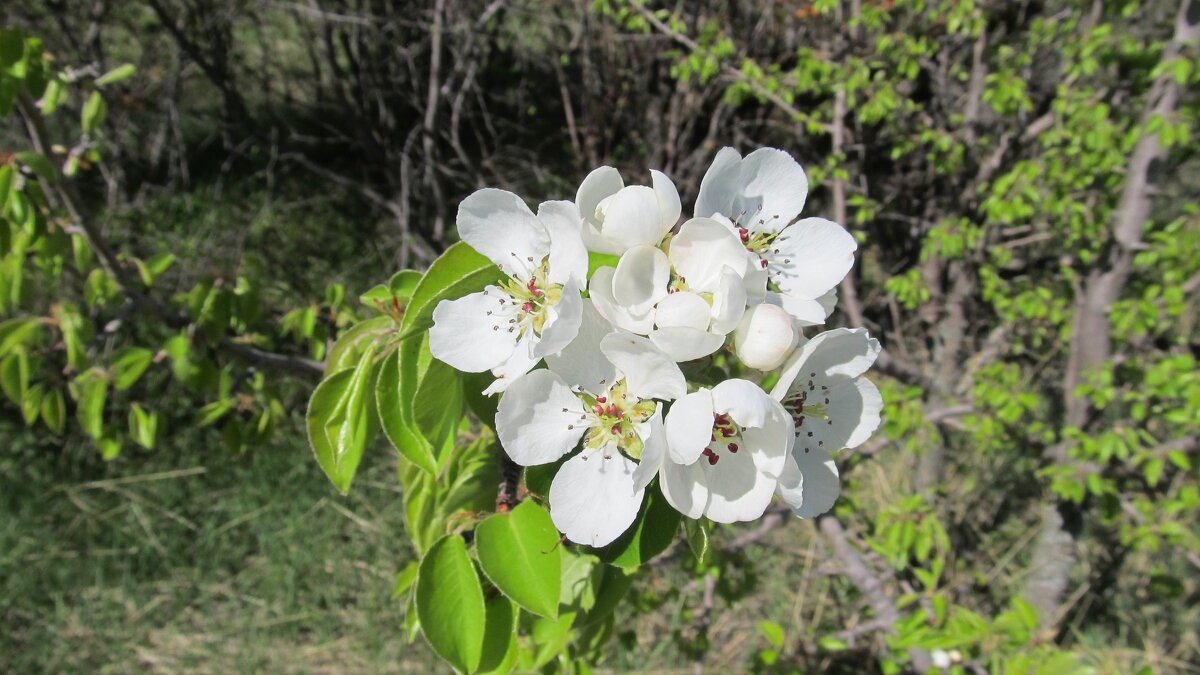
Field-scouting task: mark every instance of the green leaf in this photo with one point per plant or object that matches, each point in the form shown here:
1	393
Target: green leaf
405	578
650	534
17	332
39	164
143	426
54	411
116	74
54	95
213	412
342	420
609	591
393	416
345	352
499	653
90	411
484	407
458	272
31	403
697	538
438	402
391	298
450	604
93	113
12	46
772	632
520	553
129	364
14	375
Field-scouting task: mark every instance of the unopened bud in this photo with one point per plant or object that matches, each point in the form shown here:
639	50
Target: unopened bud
764	337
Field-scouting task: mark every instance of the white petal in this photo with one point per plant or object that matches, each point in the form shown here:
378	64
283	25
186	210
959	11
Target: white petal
689	426
685	488
770	444
600	291
755	280
814	256
743	400
462	334
686	344
682	309
853	415
563	324
669	207
702	250
719	185
502	228
581	363
641	279
568	257
592	498
648	371
654	449
631	217
595	188
517	364
810	483
729	302
737	490
772	189
842	351
805	311
531	423
765	337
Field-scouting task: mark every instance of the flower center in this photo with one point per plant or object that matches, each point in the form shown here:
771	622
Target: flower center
808	401
726	435
611	419
760	244
532	298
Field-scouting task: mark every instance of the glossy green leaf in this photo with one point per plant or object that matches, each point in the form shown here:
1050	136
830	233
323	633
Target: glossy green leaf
116	74
342	420
520	553
346	350
394	416
457	272
650	534
450	604
54	411
499	653
129	364
598	260
438	402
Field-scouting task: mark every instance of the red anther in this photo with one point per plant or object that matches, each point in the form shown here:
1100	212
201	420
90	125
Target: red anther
733	447
611	410
598	409
744	234
763	263
711	438
620	414
527	307
712	459
616	430
726	432
601	399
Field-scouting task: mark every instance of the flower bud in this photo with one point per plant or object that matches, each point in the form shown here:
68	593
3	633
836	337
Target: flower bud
764	337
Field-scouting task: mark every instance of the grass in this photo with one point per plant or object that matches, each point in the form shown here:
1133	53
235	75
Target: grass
193	560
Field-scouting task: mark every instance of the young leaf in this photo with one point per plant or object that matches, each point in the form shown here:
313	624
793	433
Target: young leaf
54	411
499	653
520	553
93	113
14	375
393	415
143	426
129	364
31	403
458	272
90	411
342	421
116	74
697	538
450	604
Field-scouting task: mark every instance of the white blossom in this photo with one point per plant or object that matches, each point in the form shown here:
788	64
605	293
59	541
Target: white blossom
833	408
726	448
617	217
764	337
759	197
610	402
509	327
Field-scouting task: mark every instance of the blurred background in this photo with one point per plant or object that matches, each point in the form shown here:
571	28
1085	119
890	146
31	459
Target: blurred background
1021	176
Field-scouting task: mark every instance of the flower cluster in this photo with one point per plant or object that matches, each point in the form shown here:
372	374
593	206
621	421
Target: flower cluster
589	367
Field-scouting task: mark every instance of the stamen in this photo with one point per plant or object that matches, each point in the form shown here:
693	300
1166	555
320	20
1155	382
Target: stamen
733	447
